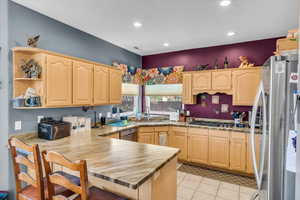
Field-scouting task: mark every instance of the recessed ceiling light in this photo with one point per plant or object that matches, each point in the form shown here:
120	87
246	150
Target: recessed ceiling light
137	24
230	33
225	3
166	44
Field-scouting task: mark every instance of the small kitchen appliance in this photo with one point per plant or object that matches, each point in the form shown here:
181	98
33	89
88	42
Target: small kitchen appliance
51	129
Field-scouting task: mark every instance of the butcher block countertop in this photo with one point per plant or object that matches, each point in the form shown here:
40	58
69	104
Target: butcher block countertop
123	162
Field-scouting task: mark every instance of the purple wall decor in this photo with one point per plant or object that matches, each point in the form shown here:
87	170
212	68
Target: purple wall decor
257	52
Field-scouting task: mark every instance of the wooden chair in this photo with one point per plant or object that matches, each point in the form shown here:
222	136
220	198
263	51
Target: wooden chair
29	156
83	191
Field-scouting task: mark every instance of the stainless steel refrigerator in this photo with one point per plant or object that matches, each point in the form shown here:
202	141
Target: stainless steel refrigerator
277	101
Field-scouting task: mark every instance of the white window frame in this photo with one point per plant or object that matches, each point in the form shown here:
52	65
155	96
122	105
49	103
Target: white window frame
147	101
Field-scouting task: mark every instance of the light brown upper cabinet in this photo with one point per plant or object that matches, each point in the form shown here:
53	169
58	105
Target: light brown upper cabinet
178	139
187	97
115	86
101	85
201	82
58	81
82	83
221	80
198	145
245	85
238	151
219	148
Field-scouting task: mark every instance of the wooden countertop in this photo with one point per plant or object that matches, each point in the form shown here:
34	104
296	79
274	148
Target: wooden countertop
123	162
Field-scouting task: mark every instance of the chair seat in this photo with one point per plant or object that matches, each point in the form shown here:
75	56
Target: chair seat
31	193
95	193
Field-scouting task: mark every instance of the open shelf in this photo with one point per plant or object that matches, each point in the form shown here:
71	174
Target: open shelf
28	79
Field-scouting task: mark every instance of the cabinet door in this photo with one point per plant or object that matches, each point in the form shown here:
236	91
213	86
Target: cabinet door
245	84
115	136
147	138
219	148
178	139
187	97
58	81
82	83
249	168
238	148
198	145
221	80
201	82
115	86
101	85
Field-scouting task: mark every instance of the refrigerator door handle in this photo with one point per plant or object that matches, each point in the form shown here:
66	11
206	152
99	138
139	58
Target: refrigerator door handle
252	134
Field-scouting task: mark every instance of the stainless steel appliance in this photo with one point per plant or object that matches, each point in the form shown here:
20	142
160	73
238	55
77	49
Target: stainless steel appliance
276	99
129	134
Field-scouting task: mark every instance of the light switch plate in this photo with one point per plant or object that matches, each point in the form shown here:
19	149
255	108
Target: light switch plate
18	125
39	118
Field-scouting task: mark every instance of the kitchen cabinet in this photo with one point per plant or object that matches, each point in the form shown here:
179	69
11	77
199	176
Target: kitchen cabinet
238	149
221	80
101	85
114	136
198	147
249	168
161	135
187	97
201	82
219	148
115	86
245	85
178	139
146	137
58	81
82	83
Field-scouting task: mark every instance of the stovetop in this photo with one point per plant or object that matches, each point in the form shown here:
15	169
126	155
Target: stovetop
213	124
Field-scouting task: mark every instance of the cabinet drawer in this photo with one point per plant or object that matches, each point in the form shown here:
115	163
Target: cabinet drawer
219	133
146	129
161	128
197	131
179	129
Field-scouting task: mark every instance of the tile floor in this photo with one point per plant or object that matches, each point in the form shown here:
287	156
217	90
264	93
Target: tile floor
192	187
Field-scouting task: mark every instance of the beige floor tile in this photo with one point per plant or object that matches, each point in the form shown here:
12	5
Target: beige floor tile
203	196
247	190
192	177
181	174
185	193
192	184
208	189
210	181
229	186
244	196
228	194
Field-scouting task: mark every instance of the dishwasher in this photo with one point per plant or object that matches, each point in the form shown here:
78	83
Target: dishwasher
129	134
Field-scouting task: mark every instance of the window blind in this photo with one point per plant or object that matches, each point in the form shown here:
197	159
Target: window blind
163	90
129	89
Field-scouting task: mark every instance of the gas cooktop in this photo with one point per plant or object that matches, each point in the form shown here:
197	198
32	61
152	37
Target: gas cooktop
214	124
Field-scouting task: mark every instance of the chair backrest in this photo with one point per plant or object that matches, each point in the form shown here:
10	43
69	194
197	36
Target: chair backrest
28	156
51	158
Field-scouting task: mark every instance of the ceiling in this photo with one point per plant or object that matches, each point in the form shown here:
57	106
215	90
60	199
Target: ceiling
182	24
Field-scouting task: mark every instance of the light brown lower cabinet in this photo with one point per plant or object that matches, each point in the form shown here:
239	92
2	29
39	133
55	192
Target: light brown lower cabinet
238	151
115	136
178	139
198	145
146	138
219	148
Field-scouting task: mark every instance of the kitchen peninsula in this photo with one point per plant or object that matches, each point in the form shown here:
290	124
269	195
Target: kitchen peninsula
134	170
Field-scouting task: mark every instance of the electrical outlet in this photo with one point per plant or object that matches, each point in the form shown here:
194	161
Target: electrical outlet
18	125
39	118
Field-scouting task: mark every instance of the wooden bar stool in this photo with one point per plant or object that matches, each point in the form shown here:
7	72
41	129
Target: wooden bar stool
29	156
82	191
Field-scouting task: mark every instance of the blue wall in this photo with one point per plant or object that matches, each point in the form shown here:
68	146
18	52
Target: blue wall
58	37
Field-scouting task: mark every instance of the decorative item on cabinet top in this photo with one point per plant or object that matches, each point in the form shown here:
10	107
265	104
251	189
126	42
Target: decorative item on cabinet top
53	82
160	75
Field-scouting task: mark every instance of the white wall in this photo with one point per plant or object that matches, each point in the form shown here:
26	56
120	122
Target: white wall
3	95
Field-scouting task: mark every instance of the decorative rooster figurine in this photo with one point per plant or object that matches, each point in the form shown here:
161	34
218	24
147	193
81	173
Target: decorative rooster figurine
32	41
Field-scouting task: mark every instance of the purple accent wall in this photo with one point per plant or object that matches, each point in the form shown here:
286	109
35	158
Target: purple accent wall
257	52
